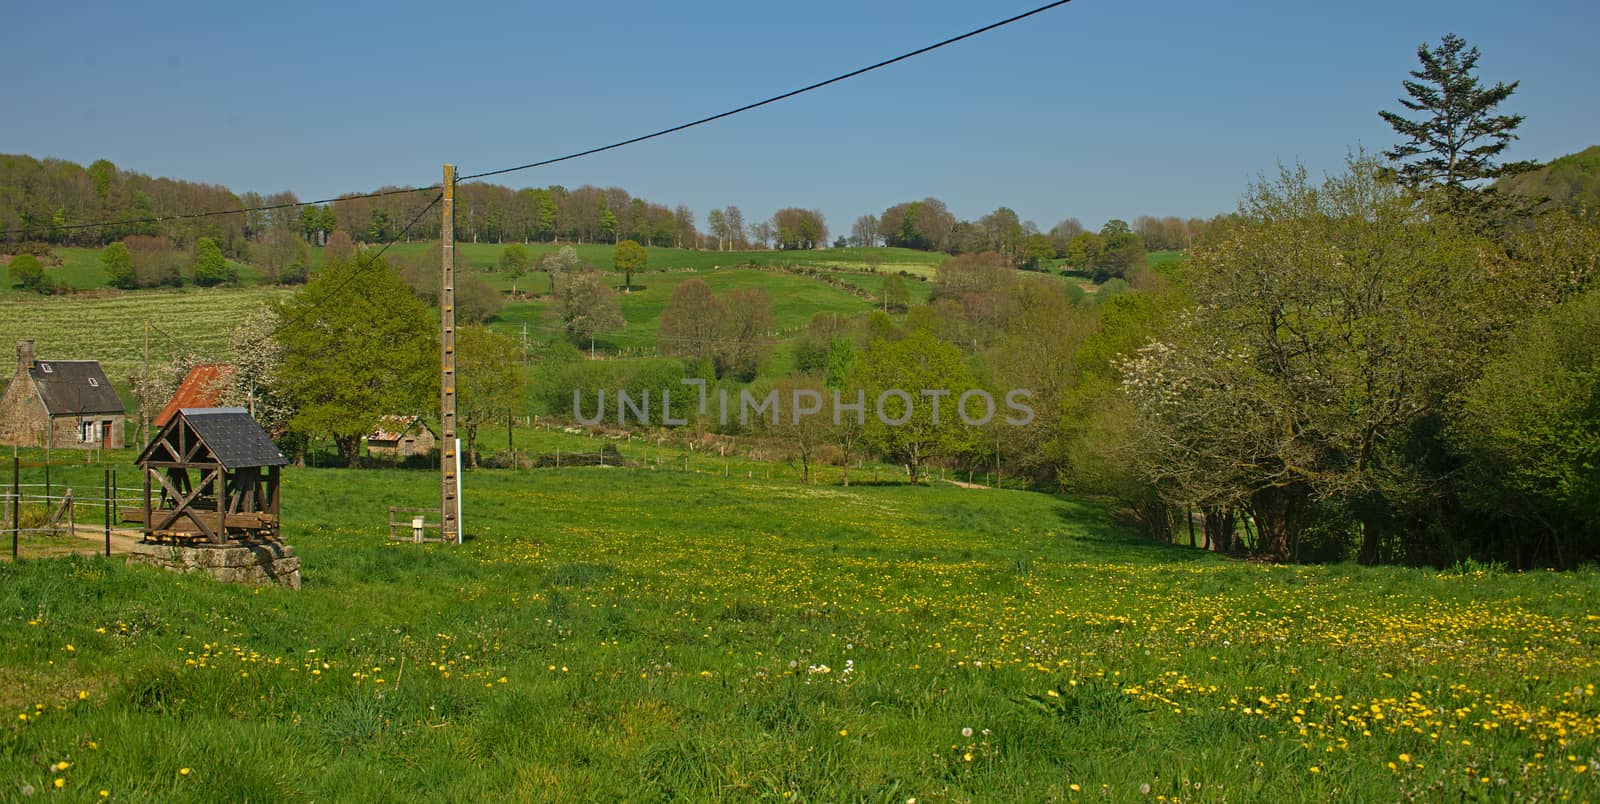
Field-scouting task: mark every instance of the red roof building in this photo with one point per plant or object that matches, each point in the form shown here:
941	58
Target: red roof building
204	388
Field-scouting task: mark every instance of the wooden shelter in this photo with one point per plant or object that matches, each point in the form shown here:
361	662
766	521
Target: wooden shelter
211	476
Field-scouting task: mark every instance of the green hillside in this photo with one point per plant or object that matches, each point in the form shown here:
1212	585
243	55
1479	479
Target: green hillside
1572	180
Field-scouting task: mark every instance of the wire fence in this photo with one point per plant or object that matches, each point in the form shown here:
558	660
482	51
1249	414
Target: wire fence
57	517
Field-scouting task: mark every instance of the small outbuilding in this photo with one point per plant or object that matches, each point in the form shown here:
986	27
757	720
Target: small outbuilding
60	404
402	437
203	387
210	475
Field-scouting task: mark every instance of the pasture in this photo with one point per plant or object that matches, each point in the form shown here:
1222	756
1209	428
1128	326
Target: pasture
651	635
109	326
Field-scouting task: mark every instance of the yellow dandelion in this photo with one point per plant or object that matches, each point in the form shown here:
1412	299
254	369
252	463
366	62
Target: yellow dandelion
183	771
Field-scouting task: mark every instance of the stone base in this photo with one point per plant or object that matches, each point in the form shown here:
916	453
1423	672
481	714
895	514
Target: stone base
250	563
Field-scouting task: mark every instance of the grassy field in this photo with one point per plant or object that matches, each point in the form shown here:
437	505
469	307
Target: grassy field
110	328
651	635
80	269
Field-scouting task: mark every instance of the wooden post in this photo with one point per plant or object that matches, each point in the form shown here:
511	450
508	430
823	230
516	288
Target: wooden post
16	508
450	503
108	512
149	534
222	508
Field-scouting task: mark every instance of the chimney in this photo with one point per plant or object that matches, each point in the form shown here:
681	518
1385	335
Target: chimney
24	356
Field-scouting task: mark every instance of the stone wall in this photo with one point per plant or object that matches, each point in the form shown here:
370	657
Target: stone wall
248	563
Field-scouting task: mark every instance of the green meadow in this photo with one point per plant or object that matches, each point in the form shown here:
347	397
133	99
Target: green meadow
652	634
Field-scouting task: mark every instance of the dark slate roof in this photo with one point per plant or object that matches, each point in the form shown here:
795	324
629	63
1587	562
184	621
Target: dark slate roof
234	439
71	387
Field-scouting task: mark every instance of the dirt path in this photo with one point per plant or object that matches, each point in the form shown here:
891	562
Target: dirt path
965	485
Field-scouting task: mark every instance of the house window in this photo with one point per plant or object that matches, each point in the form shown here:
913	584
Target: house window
45	367
89	432
94	383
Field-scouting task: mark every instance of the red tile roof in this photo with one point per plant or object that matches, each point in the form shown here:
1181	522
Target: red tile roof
393	428
203	388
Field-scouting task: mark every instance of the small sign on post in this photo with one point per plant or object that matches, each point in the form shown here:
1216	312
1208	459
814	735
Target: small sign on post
416	529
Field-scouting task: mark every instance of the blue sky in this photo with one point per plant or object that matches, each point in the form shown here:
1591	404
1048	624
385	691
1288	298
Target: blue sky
1096	110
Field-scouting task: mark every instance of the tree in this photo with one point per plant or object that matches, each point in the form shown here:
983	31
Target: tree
210	268
1036	248
744	336
691	324
1530	427
924	225
719	227
895	295
1455	142
1082	250
1063	232
357	350
628	257
26	271
802	436
733	218
1331	322
514	263
589	308
1120	251
911	365
800	228
563	261
118	266
257	358
489	386
864	233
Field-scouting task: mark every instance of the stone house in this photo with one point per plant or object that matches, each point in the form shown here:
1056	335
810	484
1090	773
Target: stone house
60	404
402	437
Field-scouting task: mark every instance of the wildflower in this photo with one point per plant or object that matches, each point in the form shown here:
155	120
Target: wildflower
183	771
966	732
60	782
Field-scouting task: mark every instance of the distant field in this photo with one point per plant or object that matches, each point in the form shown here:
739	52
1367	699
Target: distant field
80	269
110	328
795	299
487	255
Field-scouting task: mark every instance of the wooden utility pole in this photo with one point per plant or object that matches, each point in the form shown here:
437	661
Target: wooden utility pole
449	454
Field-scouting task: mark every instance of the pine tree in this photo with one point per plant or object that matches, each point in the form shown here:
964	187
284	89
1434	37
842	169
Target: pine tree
1455	143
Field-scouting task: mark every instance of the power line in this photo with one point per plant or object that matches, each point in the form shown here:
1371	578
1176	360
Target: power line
576	155
339	288
776	98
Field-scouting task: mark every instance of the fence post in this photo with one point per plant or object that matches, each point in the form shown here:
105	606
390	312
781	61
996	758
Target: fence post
16	509
108	513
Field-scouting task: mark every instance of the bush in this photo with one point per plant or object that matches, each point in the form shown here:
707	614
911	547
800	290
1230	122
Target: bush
26	271
210	267
118	265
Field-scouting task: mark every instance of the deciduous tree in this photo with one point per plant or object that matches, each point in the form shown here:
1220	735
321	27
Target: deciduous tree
629	257
360	346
